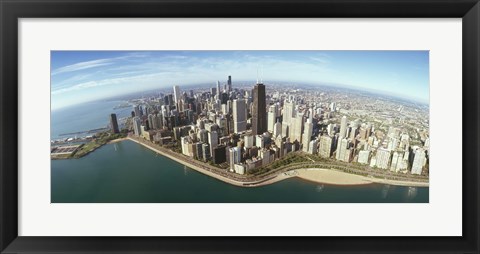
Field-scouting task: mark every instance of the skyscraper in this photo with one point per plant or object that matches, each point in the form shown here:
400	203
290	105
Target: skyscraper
176	93
272	117
229	83
114	123
239	115
307	135
288	113
343	128
418	161
325	149
383	158
296	128
219	91
213	140
259	118
137	126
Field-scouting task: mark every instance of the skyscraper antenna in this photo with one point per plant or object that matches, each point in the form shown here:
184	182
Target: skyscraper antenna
261	74
257	74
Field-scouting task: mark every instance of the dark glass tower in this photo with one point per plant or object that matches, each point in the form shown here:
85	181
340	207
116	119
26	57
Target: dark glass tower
229	83
114	123
259	110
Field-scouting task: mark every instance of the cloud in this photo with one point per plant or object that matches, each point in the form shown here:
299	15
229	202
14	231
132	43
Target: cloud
83	66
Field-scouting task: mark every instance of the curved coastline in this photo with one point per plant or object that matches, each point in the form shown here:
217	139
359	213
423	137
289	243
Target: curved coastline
324	176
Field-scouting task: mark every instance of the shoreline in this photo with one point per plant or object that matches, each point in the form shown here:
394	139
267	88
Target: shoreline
323	176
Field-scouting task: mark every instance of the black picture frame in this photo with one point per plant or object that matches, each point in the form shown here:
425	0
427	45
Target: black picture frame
12	10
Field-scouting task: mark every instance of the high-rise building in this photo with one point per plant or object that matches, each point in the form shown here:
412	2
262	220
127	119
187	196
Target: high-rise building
418	161
114	123
259	118
176	93
277	129
383	158
307	135
288	114
343	127
219	91
213	140
239	115
206	151
272	117
325	149
363	156
229	83
235	156
137	126
296	128
219	154
343	150
312	147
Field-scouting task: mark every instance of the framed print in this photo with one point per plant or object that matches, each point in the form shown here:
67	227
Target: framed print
227	126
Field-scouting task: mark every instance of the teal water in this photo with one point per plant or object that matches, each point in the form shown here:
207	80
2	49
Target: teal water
126	172
84	117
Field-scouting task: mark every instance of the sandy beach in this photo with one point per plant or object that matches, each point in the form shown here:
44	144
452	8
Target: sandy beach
329	176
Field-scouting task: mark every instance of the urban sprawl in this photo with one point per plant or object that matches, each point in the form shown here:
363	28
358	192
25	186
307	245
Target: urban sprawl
242	130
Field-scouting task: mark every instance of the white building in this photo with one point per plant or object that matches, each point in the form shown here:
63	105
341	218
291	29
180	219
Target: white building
343	128
176	93
213	140
325	149
383	158
363	156
271	117
418	161
307	135
248	141
312	146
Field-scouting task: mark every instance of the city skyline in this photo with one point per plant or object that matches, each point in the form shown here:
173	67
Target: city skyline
83	76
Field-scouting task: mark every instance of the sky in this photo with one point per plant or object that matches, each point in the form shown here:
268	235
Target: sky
82	76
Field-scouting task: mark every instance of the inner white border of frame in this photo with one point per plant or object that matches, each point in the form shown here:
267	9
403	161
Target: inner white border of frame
441	217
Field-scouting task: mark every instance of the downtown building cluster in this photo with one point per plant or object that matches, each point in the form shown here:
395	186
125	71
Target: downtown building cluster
242	130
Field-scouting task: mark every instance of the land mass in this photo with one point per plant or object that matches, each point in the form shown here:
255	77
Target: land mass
293	166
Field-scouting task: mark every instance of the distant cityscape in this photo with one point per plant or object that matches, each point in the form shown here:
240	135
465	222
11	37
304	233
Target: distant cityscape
243	130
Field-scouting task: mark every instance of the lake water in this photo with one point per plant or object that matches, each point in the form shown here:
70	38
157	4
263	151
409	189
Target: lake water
84	117
127	172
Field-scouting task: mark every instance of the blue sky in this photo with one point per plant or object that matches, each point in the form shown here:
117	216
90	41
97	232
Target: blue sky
82	76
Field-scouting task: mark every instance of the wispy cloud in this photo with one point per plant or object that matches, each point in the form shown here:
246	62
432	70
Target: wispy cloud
83	66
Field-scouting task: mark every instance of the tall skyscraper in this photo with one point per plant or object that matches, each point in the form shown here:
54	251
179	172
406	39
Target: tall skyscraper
277	129
342	150
272	117
114	123
343	128
177	95
307	135
259	110
296	128
219	90
137	126
288	114
239	115
213	140
229	83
